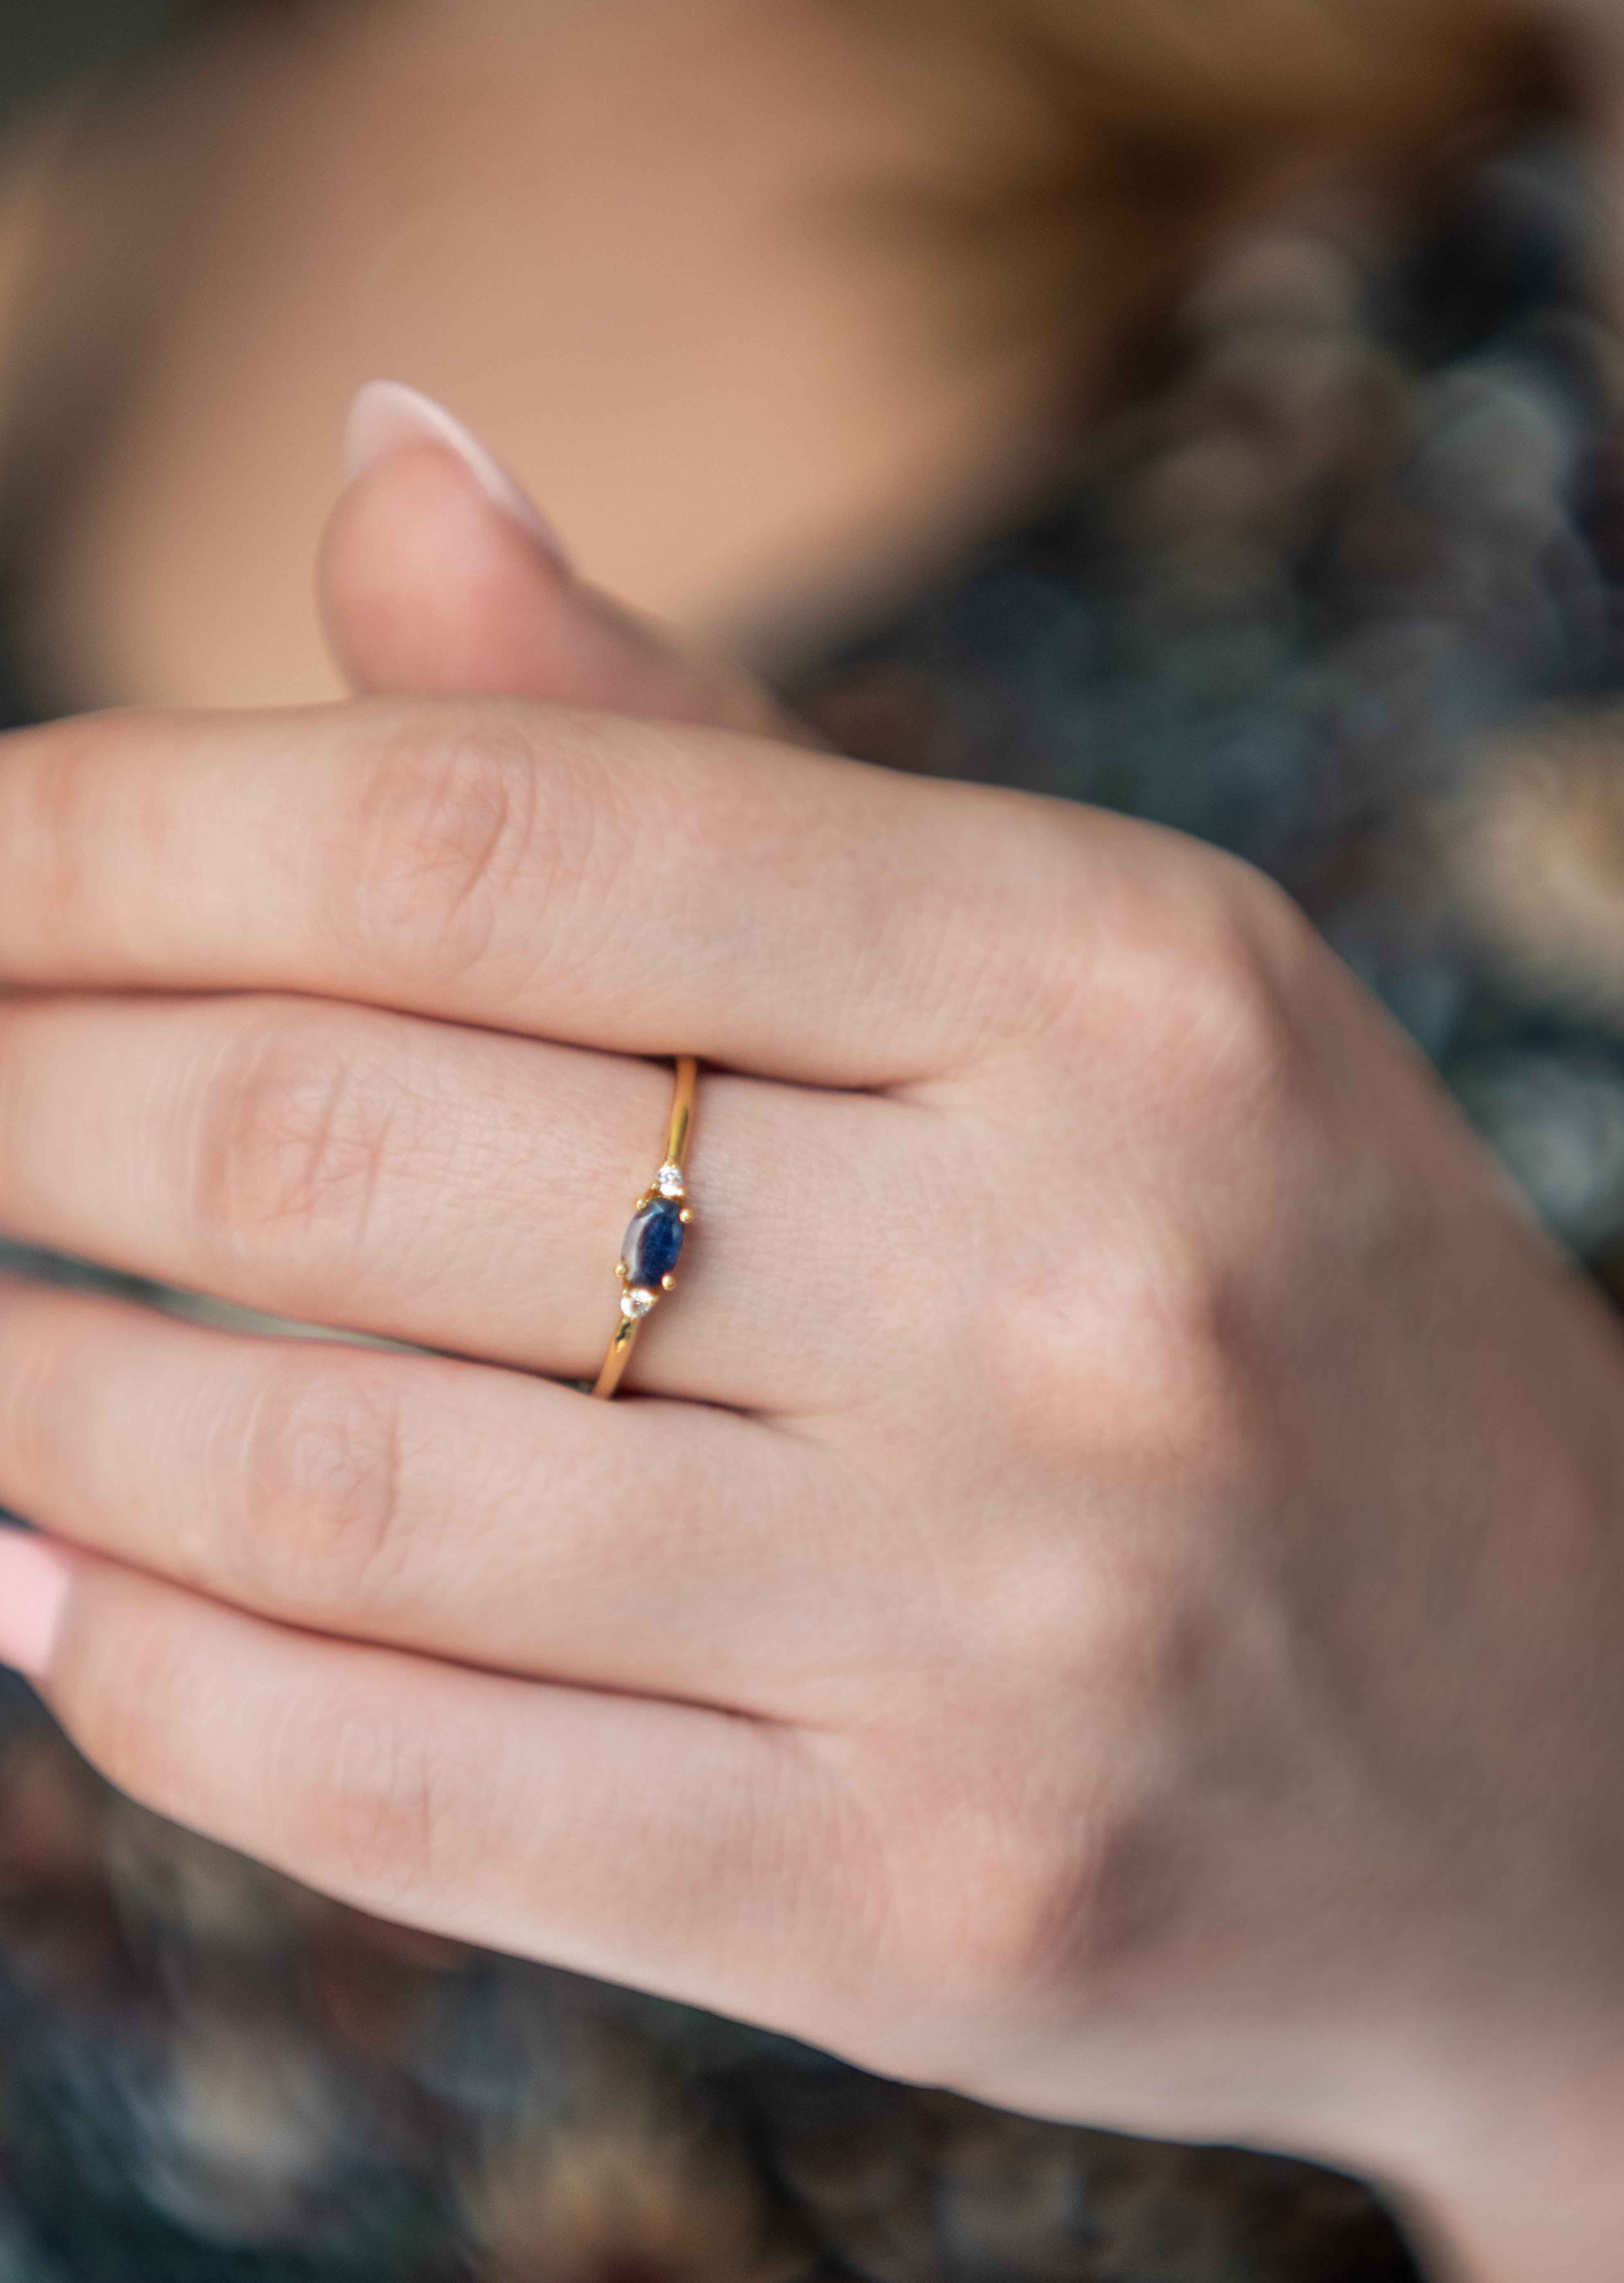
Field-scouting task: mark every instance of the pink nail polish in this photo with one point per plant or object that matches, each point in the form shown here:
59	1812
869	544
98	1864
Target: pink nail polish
35	1580
386	415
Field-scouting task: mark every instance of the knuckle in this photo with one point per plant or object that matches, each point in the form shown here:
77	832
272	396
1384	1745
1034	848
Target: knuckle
57	773
315	1532
292	1136
1225	1012
1132	1373
43	1393
1175	967
51	779
1197	1426
1118	1896
443	831
366	1801
54	789
125	1700
1029	950
1052	1906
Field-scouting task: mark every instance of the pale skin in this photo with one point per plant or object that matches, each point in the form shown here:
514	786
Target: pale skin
1106	1594
1104	1591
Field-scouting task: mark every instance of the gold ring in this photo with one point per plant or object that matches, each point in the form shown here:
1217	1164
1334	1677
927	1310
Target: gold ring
654	1238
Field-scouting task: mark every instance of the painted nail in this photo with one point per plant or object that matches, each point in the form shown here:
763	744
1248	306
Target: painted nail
35	1580
386	415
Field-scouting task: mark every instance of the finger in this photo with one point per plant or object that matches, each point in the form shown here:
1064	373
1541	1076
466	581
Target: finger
621	885
458	1189
678	1849
664	1549
436	573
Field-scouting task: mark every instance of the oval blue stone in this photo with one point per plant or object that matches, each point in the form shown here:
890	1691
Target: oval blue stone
653	1242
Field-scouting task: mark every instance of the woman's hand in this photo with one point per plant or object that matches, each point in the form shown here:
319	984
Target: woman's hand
1108	1593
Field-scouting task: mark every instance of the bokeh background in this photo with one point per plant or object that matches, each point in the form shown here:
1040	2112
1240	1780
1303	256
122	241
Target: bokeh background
43	46
1339	589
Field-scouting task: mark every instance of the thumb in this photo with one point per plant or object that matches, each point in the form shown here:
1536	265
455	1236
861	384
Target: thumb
438	574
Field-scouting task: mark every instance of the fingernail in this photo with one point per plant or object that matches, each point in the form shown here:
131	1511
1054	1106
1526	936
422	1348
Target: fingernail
34	1582
386	413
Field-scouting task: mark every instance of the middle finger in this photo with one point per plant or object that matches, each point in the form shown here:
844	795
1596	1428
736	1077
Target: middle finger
460	1190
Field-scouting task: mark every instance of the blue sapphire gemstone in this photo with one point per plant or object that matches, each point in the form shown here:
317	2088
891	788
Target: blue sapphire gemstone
653	1242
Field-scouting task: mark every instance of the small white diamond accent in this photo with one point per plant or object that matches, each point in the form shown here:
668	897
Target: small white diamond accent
636	1302
668	1181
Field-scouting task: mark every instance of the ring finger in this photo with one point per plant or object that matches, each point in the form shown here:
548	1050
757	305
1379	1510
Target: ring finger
461	1190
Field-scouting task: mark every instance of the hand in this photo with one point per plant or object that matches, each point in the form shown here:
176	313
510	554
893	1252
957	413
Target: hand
1109	1596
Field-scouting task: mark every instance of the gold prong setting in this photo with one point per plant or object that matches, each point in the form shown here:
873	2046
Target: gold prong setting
655	1236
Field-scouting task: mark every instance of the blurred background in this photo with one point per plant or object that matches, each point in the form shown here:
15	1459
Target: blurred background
39	47
1330	573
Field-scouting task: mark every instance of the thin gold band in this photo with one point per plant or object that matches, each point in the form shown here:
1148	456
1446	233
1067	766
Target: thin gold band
665	1203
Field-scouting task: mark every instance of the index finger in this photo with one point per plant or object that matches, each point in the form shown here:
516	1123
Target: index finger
636	885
